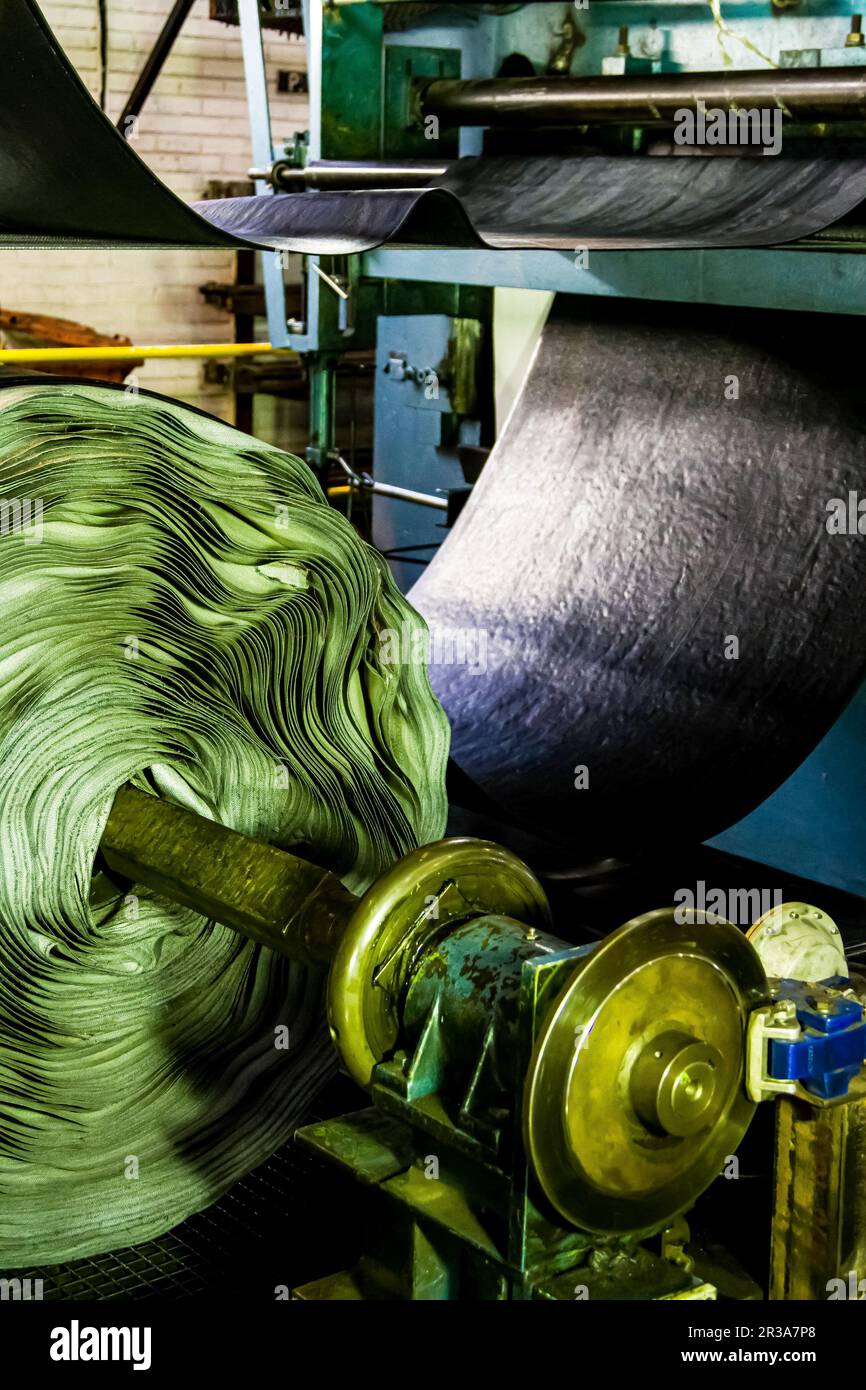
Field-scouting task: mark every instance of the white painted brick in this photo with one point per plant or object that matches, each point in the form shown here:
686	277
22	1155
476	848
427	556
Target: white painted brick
193	129
231	107
180	144
166	105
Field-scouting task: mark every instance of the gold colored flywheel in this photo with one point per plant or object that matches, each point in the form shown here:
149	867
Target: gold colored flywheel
419	898
634	1096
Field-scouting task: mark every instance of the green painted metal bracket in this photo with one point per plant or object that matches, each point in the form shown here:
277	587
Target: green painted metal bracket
404	136
351	113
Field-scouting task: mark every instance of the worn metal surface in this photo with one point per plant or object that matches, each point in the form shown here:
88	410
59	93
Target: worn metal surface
790	278
425	892
799	942
68	178
270	896
654	99
818	1246
629	522
634	1095
304	912
344	174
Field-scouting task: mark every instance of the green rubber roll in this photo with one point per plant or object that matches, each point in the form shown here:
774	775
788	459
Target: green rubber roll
180	609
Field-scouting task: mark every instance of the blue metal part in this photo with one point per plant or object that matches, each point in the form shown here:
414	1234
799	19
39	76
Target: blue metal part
417	434
814	824
672	36
822	281
832	1048
263	152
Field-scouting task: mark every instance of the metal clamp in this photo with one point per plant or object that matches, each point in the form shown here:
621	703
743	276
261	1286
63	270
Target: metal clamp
810	1042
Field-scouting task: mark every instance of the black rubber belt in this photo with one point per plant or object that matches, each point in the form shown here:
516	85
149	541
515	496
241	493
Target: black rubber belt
661	488
67	177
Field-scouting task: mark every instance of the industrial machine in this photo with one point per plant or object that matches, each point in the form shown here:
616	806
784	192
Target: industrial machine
399	92
547	1112
543	1115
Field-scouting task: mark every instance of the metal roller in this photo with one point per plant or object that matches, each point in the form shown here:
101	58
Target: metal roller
804	94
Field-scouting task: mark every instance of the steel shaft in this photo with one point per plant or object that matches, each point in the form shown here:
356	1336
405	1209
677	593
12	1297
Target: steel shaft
343	174
803	94
266	893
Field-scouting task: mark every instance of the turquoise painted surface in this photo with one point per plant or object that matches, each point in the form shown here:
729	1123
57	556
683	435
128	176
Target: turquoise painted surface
814	824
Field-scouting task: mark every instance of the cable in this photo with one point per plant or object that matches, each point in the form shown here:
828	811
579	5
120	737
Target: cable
102	17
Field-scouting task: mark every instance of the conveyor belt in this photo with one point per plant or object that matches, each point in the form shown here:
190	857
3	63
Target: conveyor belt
67	177
630	522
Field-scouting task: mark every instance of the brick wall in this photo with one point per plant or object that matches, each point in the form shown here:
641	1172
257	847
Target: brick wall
193	128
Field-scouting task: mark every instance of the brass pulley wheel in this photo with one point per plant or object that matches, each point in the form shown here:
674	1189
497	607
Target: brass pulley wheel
427	891
634	1096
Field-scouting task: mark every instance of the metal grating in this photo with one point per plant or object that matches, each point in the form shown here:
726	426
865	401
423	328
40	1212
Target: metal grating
266	1232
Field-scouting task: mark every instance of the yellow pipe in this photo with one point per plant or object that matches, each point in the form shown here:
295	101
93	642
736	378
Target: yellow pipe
341	491
127	354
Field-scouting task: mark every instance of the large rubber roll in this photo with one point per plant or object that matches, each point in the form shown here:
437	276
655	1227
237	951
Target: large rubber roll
181	610
645	619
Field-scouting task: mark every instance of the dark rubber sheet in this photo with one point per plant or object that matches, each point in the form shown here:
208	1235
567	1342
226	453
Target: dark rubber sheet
67	177
631	521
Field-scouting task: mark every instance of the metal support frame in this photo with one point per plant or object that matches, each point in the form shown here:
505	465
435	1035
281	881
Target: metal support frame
818	1247
255	77
346	40
155	62
819	281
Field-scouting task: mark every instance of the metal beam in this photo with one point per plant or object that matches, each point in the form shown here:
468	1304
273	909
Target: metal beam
255	77
821	281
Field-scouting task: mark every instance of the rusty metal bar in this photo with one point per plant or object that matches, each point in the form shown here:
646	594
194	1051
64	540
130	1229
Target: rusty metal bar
265	893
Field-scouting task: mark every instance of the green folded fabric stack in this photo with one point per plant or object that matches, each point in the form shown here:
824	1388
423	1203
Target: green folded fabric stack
180	609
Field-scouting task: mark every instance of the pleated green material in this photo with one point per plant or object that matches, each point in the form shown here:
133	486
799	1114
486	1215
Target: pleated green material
181	609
